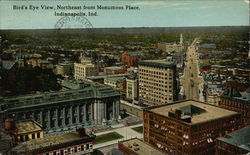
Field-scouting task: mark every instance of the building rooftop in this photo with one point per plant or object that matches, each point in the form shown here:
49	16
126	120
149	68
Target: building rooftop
140	147
104	76
198	112
243	97
91	91
134	53
85	65
115	78
114	68
158	63
239	138
28	126
52	142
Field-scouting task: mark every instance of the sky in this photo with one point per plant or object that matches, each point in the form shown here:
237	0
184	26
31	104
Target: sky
152	13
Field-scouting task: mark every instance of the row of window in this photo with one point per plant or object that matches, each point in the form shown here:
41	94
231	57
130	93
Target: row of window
24	138
71	150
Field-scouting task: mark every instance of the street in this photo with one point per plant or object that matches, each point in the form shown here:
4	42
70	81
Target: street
191	81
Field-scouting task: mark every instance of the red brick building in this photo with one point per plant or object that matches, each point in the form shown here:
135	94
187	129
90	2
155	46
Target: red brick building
137	147
234	143
231	99
76	142
131	59
187	127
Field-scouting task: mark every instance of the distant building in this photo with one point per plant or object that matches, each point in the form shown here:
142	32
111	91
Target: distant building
74	84
64	69
132	87
172	47
45	64
231	99
84	60
137	147
157	82
208	46
114	70
235	143
38	62
33	61
213	99
187	127
116	82
82	71
131	59
76	142
100	78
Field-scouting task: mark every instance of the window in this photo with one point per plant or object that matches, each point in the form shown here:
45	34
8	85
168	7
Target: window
26	138
33	136
21	139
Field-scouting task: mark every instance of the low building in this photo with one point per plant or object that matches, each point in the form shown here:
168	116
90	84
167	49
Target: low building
64	69
234	143
23	130
45	64
131	59
82	71
76	142
33	61
27	130
208	46
187	127
100	78
116	82
137	147
114	70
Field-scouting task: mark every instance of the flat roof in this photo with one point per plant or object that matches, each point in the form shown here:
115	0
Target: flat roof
28	126
115	79
205	112
239	138
49	141
92	91
158	63
140	147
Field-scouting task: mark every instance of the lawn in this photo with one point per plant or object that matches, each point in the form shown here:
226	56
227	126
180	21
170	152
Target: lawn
107	137
138	129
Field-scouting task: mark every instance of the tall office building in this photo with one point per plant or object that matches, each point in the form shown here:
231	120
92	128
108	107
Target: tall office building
157	82
81	71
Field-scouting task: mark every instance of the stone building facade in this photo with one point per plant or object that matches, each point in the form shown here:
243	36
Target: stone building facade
57	111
